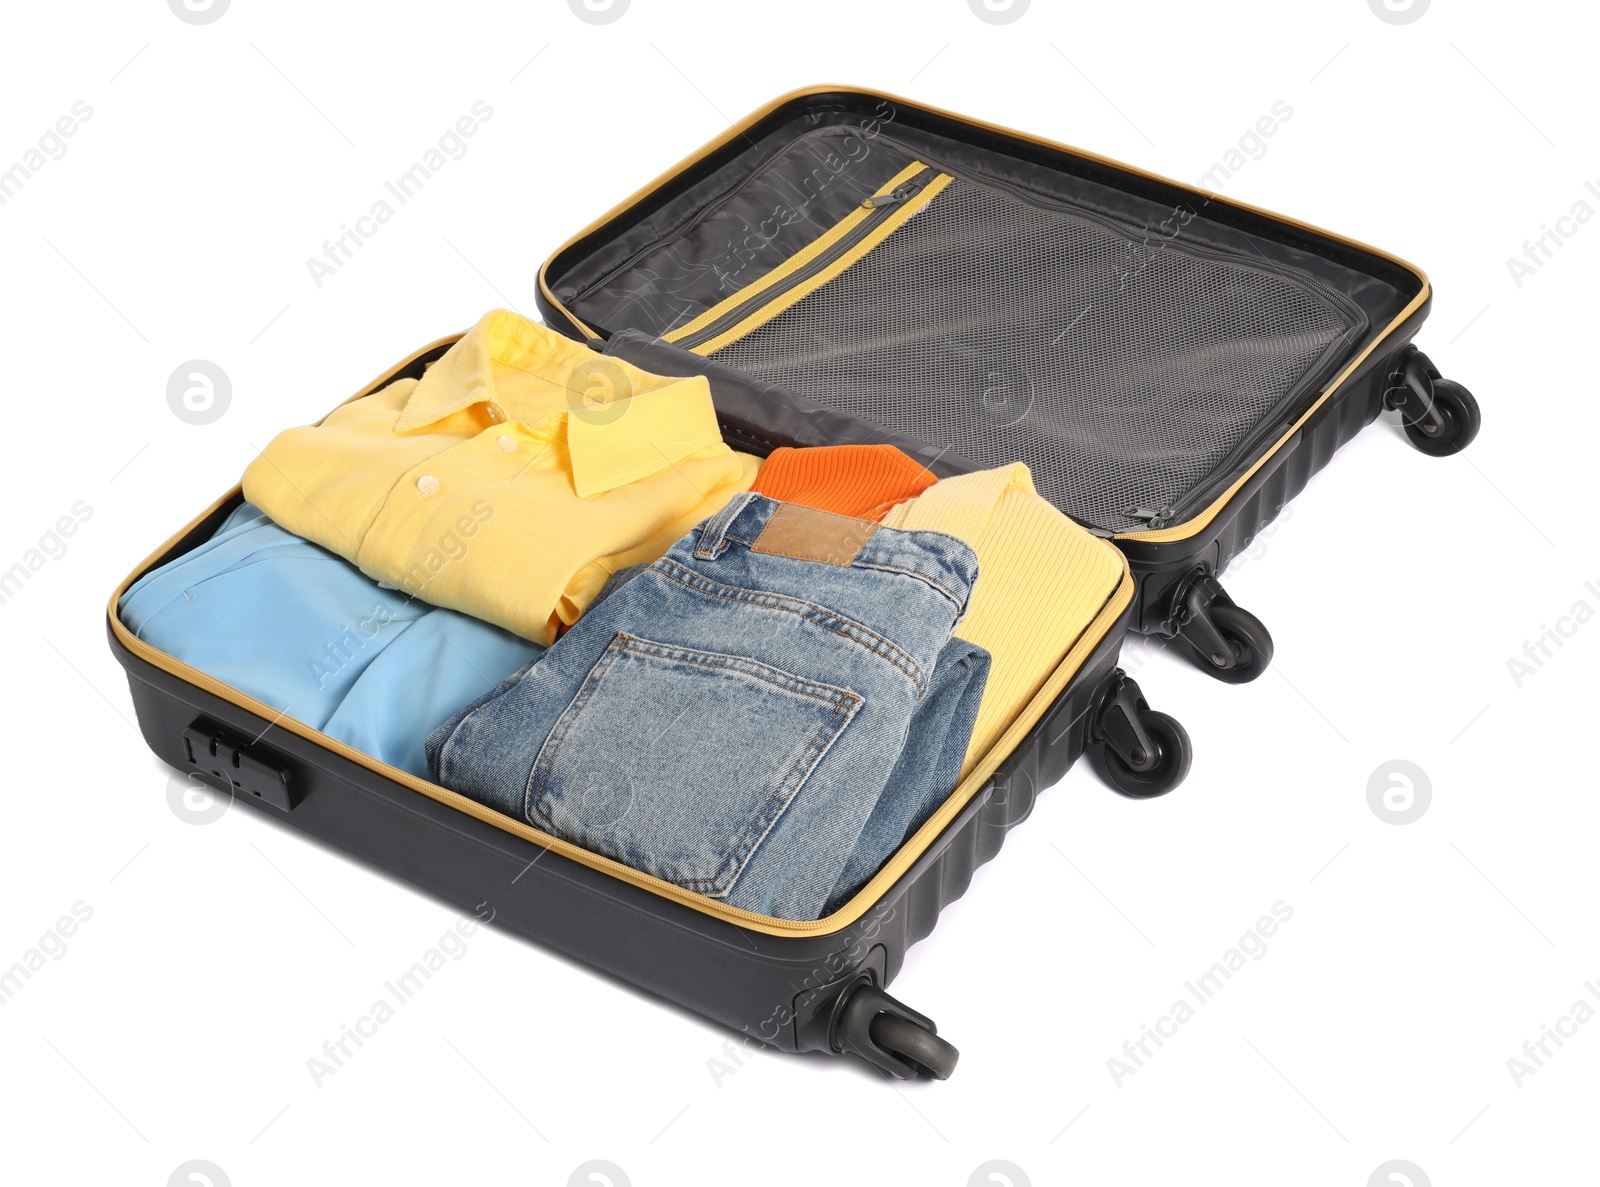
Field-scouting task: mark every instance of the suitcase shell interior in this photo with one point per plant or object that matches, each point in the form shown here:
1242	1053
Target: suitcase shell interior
786	983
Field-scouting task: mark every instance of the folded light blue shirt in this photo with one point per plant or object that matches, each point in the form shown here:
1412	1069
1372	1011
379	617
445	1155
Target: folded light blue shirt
302	630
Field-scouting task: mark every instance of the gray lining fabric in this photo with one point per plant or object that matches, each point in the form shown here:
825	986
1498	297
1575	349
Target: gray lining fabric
1135	355
1122	374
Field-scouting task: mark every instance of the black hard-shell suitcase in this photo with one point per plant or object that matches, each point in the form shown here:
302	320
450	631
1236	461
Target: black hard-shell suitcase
1172	364
794	986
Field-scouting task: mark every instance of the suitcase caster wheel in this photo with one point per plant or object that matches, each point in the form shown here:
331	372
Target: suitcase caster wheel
1453	424
1225	640
1247	641
1140	752
1163	767
1440	416
930	1054
890	1035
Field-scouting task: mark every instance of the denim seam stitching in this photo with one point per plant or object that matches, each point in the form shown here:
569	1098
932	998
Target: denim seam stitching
802	769
557	735
873	643
891	651
799	685
856	563
743	847
714	531
959	602
842	702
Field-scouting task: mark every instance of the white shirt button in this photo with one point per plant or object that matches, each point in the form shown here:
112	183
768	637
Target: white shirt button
428	484
506	443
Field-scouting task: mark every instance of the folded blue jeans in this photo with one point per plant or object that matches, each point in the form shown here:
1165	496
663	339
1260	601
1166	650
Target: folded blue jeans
929	765
308	633
728	720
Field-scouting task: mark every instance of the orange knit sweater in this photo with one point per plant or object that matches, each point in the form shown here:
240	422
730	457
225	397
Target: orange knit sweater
861	481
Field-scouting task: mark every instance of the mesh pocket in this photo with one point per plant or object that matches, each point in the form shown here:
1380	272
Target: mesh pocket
1124	373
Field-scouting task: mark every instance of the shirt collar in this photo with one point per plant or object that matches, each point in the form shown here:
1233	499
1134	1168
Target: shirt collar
622	424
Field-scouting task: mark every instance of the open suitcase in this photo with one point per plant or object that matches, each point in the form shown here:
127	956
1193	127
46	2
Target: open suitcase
820	985
1172	365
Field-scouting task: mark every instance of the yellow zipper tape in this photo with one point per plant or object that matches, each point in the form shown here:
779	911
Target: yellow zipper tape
811	284
801	259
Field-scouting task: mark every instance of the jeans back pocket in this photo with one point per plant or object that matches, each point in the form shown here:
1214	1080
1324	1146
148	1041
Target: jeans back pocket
678	762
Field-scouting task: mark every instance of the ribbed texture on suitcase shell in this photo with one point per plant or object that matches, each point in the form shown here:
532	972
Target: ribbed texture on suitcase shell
944	873
749	981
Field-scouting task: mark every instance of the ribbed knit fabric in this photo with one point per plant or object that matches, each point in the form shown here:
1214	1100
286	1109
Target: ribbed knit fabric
861	481
1042	579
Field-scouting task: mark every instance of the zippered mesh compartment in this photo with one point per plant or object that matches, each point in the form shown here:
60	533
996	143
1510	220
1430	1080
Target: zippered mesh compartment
1125	372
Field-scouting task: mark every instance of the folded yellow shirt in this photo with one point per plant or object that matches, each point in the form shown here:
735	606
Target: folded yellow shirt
511	480
1042	579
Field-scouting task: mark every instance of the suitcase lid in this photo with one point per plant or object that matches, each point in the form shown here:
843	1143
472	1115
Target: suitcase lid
1144	345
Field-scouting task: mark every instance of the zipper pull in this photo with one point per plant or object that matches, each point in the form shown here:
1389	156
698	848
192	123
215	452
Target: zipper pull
896	196
1155	519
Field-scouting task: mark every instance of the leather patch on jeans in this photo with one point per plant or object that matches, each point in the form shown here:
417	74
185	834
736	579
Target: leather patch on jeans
807	534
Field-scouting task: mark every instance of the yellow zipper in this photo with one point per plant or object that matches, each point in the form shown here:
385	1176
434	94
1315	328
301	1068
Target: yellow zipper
814	265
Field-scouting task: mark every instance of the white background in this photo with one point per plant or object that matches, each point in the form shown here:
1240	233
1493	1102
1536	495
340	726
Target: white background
218	958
